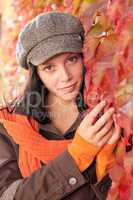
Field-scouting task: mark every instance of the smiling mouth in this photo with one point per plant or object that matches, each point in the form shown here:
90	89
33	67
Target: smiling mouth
69	88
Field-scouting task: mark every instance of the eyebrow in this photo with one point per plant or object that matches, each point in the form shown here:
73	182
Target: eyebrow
50	62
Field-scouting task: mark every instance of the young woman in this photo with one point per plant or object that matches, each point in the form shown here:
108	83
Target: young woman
48	150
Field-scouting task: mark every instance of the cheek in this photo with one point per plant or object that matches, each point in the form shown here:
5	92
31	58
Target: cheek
49	81
78	73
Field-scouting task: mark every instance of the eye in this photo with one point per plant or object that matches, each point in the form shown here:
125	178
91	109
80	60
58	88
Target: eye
48	68
73	59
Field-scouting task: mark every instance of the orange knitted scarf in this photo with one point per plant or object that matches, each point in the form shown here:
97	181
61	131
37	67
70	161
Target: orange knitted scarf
33	148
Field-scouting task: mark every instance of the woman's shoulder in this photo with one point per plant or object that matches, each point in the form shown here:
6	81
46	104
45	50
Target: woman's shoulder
11	114
6	141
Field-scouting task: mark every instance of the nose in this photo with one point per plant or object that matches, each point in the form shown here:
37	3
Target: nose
65	75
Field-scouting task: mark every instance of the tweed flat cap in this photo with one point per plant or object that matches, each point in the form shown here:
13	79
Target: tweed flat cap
47	35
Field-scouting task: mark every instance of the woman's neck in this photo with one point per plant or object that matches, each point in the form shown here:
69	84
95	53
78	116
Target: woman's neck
55	103
58	107
62	114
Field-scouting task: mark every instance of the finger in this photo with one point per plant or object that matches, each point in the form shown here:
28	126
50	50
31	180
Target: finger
102	120
88	120
104	130
104	140
116	134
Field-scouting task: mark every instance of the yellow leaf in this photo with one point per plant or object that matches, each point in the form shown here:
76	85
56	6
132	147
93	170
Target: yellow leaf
129	89
90	1
76	5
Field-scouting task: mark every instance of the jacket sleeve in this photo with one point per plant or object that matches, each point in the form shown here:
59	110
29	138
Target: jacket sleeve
59	178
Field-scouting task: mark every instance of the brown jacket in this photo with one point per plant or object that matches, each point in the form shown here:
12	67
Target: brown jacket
59	179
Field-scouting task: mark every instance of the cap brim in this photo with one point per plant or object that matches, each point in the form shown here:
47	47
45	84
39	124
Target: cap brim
55	45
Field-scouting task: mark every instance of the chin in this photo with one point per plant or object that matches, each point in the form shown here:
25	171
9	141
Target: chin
69	96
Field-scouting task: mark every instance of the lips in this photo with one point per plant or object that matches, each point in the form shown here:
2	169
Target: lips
69	88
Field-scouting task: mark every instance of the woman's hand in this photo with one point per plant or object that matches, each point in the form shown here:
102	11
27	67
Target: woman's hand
106	157
92	136
97	133
116	133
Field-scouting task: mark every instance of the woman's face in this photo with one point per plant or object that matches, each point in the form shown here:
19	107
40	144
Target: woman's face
62	75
